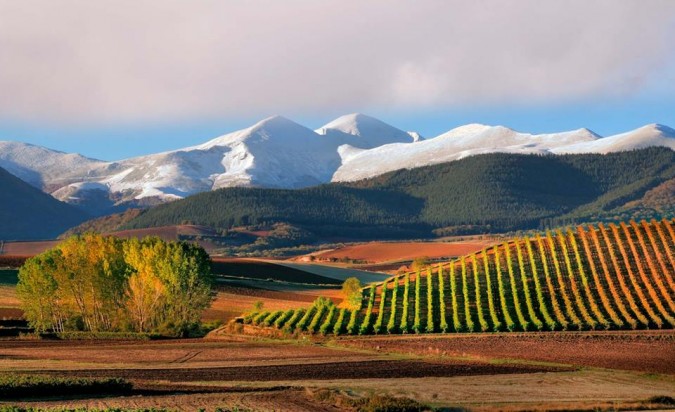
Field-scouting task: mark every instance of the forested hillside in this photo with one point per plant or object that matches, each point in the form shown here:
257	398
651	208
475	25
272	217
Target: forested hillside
29	213
486	193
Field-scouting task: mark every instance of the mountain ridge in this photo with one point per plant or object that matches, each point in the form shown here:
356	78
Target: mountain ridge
493	192
277	152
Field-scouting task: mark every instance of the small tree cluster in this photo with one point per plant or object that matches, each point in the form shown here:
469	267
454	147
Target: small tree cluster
102	283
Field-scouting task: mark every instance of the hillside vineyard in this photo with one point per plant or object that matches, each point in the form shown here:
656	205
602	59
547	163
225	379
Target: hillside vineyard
614	276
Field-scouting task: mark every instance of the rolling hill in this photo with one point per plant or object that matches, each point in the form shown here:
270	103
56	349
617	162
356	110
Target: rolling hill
28	213
486	193
606	277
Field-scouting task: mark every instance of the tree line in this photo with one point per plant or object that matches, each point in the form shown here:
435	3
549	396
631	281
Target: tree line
103	283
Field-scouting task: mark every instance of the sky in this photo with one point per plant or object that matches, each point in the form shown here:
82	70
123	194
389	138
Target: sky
115	79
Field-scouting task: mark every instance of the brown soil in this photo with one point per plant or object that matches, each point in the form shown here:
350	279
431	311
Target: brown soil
243	372
189	353
374	252
372	369
11	313
238	296
27	248
645	351
259	399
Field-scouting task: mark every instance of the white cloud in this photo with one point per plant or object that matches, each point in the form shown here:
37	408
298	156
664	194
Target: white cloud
109	61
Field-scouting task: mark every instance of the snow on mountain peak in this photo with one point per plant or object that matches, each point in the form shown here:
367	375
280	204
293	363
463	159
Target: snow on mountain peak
659	128
415	136
457	143
278	152
369	131
645	136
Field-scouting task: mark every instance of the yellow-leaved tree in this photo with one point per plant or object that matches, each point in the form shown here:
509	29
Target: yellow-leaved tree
102	283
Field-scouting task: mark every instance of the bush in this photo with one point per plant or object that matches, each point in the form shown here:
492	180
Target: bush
385	403
662	400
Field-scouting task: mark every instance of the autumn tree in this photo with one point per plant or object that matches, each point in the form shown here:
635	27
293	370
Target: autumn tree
352	295
102	283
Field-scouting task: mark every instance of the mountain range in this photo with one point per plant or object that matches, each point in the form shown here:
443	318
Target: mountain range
279	153
487	193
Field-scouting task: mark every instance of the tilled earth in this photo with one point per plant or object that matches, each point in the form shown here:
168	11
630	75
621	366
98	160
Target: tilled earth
644	351
371	369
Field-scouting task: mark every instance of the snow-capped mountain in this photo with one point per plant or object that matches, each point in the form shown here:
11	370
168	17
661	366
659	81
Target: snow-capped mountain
364	132
42	167
279	153
476	139
646	136
275	152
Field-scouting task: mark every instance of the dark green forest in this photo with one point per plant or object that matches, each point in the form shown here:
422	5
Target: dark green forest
486	193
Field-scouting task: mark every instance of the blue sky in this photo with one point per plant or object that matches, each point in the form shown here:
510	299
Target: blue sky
115	79
122	141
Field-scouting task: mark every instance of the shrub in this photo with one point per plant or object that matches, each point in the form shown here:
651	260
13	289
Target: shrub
328	321
406	304
417	322
365	325
337	328
380	314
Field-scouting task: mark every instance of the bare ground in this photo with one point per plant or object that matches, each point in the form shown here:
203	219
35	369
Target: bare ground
477	372
645	351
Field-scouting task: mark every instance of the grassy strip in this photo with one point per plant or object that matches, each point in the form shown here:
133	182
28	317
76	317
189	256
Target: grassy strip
29	386
105	336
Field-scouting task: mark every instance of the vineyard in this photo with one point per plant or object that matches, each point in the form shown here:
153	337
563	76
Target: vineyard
615	276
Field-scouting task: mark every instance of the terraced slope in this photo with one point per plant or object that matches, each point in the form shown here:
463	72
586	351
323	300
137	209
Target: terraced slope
616	276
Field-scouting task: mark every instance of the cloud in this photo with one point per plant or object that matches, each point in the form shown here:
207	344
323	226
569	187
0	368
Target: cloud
124	61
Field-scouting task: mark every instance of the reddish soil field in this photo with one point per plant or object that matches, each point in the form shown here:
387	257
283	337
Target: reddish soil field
11	313
27	248
196	353
374	252
233	299
645	351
